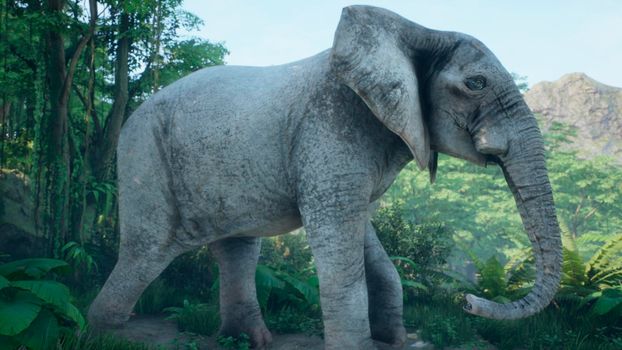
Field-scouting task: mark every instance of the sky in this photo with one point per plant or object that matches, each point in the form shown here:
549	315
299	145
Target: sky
539	39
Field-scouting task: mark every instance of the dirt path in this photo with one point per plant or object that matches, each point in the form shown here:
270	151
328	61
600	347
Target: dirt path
163	334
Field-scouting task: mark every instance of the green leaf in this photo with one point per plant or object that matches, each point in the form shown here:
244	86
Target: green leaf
404	259
68	246
492	278
35	268
17	315
585	300
610	298
310	292
4	282
51	292
7	343
74	314
414	284
266	280
42	333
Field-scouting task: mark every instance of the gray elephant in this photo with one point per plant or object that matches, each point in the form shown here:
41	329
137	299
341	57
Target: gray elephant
228	155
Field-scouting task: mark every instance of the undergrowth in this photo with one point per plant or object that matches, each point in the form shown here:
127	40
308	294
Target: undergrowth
443	323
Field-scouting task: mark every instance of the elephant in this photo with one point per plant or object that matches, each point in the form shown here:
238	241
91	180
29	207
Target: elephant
230	154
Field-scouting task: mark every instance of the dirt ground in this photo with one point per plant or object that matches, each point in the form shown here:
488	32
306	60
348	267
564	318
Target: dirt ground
163	334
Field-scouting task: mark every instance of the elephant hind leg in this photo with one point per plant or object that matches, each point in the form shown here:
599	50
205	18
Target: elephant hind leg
239	309
149	227
134	271
385	292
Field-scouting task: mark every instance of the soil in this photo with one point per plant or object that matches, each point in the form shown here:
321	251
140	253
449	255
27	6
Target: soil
163	334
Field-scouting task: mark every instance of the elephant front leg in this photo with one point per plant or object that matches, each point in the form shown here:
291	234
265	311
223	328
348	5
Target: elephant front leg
385	292
239	309
336	232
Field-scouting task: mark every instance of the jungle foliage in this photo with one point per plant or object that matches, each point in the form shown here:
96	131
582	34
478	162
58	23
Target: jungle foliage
71	72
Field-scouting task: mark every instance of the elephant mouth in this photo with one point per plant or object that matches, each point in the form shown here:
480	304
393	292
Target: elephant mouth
491	159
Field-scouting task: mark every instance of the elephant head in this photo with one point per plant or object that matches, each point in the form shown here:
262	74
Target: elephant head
446	92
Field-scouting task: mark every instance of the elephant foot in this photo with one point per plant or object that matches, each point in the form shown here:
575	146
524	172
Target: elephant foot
392	333
100	323
256	330
101	318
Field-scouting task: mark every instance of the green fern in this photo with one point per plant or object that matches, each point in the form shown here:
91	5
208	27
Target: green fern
402	264
597	283
500	282
573	269
605	266
286	288
521	273
492	279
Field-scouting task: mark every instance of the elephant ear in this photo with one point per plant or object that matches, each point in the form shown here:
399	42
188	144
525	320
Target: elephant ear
369	55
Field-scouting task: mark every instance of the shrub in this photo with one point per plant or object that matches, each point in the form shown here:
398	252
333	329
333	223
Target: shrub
278	289
195	318
288	253
193	274
419	251
441	322
240	343
498	282
190	276
289	320
35	310
597	282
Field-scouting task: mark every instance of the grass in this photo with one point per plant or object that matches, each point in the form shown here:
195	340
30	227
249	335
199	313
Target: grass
443	323
109	342
440	321
86	342
195	318
158	296
289	320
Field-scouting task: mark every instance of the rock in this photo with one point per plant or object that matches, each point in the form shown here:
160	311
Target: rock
18	236
593	108
16	207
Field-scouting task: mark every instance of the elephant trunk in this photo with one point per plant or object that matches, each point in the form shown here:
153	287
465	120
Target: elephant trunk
525	171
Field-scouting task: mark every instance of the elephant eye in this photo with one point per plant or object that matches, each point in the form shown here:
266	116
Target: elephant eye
477	82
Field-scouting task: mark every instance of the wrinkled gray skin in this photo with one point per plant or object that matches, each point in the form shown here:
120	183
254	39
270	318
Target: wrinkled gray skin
231	154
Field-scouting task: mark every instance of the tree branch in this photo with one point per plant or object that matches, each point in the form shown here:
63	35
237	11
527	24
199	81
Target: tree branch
76	55
98	128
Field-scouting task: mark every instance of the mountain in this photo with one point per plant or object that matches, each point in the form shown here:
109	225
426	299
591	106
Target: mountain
593	108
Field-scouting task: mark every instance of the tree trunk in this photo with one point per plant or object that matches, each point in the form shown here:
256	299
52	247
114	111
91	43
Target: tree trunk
106	150
57	156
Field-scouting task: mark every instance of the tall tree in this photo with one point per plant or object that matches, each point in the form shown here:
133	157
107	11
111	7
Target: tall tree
105	150
69	78
60	79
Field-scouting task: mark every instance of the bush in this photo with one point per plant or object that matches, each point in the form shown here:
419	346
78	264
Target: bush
497	282
441	322
35	310
190	276
419	251
288	253
196	318
240	343
107	342
288	320
597	282
193	275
